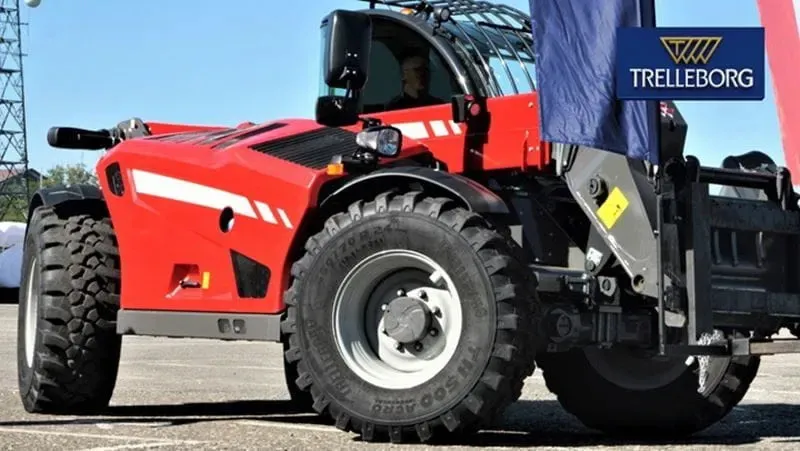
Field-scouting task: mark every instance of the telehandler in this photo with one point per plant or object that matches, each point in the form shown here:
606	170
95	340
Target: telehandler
418	260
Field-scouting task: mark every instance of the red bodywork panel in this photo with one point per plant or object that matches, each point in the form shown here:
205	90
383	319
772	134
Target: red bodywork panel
168	219
513	140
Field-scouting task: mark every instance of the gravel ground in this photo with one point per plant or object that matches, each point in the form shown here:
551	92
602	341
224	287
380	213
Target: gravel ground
196	394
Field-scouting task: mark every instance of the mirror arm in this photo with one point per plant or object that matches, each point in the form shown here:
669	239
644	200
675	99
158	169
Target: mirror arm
355	96
367	122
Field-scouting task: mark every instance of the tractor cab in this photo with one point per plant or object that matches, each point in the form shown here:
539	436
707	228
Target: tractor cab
422	54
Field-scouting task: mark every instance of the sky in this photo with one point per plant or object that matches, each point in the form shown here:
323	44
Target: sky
92	64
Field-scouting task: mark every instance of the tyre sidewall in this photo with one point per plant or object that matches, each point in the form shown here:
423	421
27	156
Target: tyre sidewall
327	270
26	373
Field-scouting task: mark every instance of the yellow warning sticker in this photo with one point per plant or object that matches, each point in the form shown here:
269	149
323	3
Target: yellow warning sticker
612	209
206	281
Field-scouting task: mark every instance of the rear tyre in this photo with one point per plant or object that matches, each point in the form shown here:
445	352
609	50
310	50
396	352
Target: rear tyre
67	346
408	316
621	393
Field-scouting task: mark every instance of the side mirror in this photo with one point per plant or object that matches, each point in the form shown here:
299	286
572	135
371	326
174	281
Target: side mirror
382	139
347	40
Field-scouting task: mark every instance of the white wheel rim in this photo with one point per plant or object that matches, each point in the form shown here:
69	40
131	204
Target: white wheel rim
358	320
31	313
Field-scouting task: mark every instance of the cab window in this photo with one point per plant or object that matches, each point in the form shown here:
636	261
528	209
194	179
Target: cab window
404	72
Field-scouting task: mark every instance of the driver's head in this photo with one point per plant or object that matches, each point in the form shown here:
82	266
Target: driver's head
416	74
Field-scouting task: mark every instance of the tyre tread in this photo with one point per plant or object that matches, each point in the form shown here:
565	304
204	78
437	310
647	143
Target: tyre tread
79	348
673	411
510	281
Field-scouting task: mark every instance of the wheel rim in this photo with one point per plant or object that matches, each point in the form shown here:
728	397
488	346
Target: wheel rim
640	370
31	313
397	319
632	370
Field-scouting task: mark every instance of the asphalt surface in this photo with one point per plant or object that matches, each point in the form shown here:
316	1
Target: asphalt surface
177	394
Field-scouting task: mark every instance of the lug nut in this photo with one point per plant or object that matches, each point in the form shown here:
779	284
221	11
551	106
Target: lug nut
437	311
418	346
401	292
423	295
398	346
433	332
385	307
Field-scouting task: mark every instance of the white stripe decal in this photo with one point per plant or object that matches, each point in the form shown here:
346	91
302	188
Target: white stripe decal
203	196
284	218
439	129
417	130
192	193
266	212
413	130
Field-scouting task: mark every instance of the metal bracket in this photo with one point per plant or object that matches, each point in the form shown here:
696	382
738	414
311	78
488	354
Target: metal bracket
601	181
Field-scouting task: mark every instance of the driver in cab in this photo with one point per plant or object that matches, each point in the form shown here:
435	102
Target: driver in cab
416	78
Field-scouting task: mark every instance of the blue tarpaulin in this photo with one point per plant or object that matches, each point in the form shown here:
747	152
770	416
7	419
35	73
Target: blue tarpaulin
575	45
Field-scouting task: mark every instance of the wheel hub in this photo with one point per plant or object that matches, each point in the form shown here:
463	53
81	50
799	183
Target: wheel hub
406	320
397	319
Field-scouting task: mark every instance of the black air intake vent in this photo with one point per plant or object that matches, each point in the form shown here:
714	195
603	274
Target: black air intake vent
115	182
185	137
312	149
252	278
224	143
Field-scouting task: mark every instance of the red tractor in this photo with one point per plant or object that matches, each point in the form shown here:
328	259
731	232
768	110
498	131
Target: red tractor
417	249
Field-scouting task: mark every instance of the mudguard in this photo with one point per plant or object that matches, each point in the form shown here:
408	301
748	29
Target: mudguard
753	161
58	194
473	195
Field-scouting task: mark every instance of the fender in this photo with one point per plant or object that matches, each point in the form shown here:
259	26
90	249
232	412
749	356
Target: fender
471	194
752	161
59	194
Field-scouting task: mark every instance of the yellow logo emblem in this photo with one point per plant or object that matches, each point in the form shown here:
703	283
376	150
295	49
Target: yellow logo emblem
691	49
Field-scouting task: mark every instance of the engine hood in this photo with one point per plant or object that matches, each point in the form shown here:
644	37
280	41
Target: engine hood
299	141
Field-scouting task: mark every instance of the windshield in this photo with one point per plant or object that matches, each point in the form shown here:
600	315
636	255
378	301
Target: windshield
503	57
493	41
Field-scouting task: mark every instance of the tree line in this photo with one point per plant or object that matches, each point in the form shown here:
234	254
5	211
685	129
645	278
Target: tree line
14	205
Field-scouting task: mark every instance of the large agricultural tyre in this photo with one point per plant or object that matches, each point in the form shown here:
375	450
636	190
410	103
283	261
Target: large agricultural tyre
301	400
624	393
68	348
408	316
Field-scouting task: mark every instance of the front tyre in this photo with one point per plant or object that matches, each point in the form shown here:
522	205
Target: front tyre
409	315
67	345
301	400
